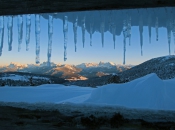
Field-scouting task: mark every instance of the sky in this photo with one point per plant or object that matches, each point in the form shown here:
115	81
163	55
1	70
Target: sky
94	53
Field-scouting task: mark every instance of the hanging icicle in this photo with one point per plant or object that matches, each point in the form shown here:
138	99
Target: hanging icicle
20	31
10	32
37	36
102	26
141	33
50	33
28	28
113	33
124	40
149	27
75	24
169	35
157	27
65	30
129	29
173	30
91	31
1	33
83	31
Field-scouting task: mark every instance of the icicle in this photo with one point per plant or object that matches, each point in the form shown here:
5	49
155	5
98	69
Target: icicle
173	30
149	27
75	33
129	29
65	30
157	26
124	40
37	36
91	30
1	33
141	33
102	26
20	31
113	33
83	31
28	27
169	35
10	31
50	32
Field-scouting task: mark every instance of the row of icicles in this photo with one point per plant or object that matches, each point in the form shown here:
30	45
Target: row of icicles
126	33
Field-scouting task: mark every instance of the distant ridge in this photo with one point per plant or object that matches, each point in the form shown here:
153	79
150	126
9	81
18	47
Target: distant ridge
164	67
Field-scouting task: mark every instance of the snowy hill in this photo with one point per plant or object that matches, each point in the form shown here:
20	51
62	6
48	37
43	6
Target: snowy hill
27	79
163	66
148	92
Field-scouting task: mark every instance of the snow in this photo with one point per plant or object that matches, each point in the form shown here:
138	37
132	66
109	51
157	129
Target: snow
15	77
23	78
148	92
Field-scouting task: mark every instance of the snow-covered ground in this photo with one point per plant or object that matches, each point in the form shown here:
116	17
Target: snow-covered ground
148	92
22	78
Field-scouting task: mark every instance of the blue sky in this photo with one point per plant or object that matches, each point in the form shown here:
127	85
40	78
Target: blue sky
88	54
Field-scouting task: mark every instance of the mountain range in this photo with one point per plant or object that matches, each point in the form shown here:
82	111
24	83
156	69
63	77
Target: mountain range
164	67
82	71
92	74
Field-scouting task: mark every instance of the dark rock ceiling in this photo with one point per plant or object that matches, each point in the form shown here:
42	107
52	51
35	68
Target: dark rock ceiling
14	7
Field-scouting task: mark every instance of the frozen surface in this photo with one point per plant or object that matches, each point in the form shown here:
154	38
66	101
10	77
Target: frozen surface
148	92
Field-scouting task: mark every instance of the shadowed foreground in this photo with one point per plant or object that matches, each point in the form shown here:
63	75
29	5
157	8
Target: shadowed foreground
20	118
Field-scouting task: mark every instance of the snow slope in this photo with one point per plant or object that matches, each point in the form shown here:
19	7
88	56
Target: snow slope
148	92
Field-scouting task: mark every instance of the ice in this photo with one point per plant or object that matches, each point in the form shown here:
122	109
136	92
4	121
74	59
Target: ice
28	29
1	33
102	26
173	30
129	29
83	30
37	36
113	32
141	33
75	24
20	31
169	35
65	31
149	27
50	32
10	31
124	40
157	27
91	31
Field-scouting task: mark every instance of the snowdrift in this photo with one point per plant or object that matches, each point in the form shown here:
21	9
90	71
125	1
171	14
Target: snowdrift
148	92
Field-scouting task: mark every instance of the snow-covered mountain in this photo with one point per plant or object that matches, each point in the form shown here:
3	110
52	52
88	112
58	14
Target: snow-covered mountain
67	71
164	67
